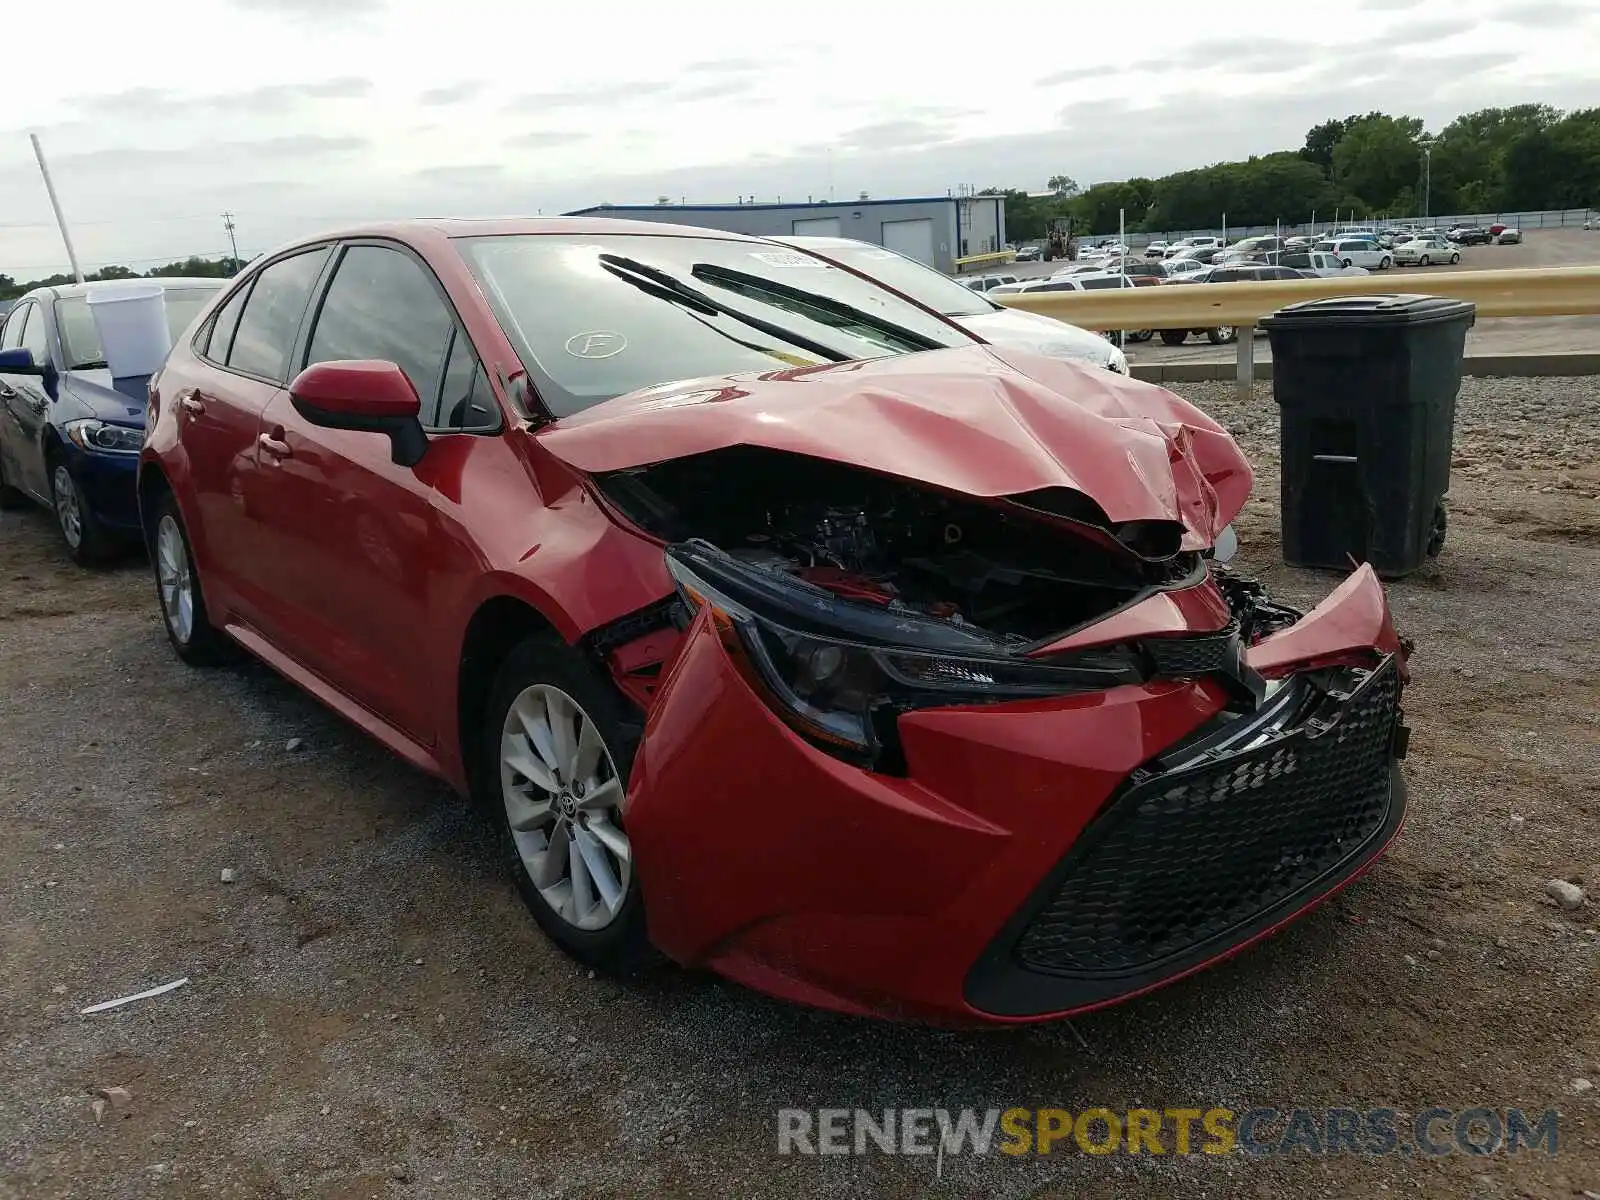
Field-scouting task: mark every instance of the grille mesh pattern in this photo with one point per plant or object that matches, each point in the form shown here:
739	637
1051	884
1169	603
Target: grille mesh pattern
1191	854
1201	654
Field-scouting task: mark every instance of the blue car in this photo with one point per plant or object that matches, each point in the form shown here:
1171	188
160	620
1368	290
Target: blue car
69	440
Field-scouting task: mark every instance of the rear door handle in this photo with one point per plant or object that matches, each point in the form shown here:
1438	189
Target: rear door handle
7	391
191	404
274	446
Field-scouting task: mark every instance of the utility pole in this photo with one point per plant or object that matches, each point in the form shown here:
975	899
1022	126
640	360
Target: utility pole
227	223
1427	182
61	221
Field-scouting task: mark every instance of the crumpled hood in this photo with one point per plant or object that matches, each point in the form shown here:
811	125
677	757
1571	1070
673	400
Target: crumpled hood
983	421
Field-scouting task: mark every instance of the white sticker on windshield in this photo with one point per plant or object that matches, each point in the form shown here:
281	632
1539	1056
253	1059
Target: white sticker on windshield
788	258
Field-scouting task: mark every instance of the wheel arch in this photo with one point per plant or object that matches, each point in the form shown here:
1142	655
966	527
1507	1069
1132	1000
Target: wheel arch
498	625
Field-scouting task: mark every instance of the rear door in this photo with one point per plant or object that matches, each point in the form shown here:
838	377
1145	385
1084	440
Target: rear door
243	357
379	546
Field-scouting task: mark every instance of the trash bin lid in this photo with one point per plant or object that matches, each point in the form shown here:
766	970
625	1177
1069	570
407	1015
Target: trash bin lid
1369	311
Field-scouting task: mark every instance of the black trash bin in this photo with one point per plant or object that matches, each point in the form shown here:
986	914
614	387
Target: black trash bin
1366	390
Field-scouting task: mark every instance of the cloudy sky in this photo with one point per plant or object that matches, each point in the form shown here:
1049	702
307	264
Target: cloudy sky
297	115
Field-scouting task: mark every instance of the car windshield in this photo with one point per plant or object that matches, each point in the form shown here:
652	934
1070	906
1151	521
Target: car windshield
80	337
597	316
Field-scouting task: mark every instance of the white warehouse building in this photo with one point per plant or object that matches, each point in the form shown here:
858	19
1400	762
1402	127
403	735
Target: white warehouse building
936	230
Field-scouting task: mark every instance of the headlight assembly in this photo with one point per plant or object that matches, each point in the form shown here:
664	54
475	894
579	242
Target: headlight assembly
838	672
104	437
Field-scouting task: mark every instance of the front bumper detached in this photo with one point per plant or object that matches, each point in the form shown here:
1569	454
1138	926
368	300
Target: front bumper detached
1210	847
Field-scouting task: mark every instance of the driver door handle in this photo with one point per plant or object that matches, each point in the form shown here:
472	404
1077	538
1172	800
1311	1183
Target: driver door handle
7	392
274	446
191	404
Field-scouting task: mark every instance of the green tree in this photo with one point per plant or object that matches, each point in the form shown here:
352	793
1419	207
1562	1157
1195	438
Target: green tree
1063	185
1377	157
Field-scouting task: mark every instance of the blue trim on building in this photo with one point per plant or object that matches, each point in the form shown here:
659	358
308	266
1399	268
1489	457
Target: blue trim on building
601	209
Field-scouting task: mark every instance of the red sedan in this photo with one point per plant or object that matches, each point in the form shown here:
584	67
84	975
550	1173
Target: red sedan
784	627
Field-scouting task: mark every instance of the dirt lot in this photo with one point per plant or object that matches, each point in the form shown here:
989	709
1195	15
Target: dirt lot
371	1013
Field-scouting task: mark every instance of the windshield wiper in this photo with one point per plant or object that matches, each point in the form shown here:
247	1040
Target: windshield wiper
665	286
98	364
838	309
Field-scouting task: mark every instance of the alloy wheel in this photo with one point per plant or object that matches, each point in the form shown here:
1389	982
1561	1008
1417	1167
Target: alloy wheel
174	579
68	512
563	801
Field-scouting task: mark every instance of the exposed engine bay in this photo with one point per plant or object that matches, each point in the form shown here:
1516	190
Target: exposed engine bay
1022	569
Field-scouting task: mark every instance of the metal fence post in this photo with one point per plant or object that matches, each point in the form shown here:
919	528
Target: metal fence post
1246	359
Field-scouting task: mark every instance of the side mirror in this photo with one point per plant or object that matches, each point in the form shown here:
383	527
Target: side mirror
367	395
19	361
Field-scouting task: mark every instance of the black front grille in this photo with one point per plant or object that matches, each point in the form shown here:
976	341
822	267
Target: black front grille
1191	855
1195	654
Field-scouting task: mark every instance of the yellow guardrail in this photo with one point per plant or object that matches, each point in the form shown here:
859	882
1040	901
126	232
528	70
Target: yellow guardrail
1543	292
994	257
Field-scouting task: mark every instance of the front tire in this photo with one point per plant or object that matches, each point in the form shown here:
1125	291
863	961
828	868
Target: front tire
1222	335
89	543
558	748
183	603
1174	337
1454	259
1385	263
1423	261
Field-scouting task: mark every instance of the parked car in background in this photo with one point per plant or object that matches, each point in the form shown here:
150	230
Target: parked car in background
1323	264
1198	242
69	440
1509	236
1155	249
1199	254
1427	249
1178	268
1359	252
1470	235
694	531
984	283
972	311
1029	253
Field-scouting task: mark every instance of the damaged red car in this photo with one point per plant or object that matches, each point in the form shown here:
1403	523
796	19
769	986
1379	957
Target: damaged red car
785	628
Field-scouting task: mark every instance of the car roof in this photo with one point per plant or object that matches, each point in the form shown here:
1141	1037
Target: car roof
456	227
808	239
63	291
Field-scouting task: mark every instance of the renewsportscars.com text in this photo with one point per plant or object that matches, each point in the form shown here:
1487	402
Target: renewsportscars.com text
1432	1132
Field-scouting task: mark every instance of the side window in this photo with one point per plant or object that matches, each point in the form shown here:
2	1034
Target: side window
465	400
11	338
227	320
33	336
382	304
265	336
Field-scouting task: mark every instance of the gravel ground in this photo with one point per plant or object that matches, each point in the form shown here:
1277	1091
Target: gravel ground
371	1013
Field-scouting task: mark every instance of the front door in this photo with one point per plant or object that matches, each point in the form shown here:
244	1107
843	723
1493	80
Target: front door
27	404
378	546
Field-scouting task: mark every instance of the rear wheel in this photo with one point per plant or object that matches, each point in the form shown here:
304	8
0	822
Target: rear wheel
1222	334
1174	337
1141	335
559	743
1423	261
183	602
89	543
1347	262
